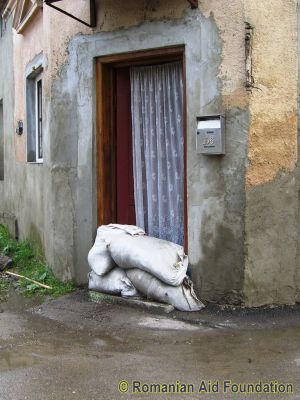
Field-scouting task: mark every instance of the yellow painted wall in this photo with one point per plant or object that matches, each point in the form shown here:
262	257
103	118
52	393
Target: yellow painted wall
273	103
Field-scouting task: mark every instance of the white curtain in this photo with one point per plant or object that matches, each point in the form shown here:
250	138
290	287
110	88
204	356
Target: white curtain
158	149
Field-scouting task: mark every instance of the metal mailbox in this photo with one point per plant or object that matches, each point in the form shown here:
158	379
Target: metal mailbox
210	135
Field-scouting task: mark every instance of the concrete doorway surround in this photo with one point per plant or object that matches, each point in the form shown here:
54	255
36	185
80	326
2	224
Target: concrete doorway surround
215	186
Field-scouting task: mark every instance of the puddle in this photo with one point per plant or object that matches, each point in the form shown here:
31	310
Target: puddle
16	302
12	360
10	324
166	324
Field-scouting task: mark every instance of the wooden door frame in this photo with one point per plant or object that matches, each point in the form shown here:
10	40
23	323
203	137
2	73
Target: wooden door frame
105	124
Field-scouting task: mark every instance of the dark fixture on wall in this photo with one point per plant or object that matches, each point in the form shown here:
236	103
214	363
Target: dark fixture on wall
93	22
193	3
249	84
19	129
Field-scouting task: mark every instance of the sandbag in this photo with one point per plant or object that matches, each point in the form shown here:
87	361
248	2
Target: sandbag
160	258
182	297
99	257
132	230
114	282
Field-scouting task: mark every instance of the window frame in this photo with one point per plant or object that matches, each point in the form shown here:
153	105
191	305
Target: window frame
34	73
39	118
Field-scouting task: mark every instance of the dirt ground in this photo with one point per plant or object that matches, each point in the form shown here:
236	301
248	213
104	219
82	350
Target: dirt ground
71	348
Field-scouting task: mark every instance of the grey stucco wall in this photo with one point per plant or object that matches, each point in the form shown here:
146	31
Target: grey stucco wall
271	242
215	184
1	142
6	95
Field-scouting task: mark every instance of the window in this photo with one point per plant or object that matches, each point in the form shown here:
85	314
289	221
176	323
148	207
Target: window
34	107
2	26
39	118
1	142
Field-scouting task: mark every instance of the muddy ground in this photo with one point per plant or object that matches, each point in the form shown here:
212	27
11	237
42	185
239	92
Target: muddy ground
71	348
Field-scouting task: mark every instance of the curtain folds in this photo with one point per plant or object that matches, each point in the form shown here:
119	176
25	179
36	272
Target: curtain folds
158	149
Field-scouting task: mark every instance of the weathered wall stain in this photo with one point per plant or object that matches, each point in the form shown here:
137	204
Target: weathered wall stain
229	19
36	239
273	105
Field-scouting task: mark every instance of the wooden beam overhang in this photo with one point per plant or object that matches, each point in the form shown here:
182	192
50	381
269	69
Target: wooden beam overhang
9	8
93	21
24	13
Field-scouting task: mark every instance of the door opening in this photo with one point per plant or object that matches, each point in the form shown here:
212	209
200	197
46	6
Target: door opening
125	208
141	142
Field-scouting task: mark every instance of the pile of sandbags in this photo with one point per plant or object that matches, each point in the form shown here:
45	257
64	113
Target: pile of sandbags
126	262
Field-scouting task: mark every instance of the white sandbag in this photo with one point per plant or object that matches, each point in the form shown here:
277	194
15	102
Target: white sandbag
115	282
161	258
182	297
130	229
99	257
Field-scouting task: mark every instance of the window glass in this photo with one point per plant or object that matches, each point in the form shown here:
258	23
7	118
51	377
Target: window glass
1	142
39	119
34	120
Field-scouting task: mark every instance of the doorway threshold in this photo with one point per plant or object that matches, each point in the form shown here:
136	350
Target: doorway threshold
143	304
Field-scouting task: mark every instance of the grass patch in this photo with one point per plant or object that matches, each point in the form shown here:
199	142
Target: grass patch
25	263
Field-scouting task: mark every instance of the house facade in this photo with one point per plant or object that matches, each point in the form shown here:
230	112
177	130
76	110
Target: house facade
72	104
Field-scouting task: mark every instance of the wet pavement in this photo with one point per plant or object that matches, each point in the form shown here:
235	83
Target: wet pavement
71	348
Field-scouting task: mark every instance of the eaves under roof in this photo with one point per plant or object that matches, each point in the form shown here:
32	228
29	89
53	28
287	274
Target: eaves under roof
3	4
25	11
